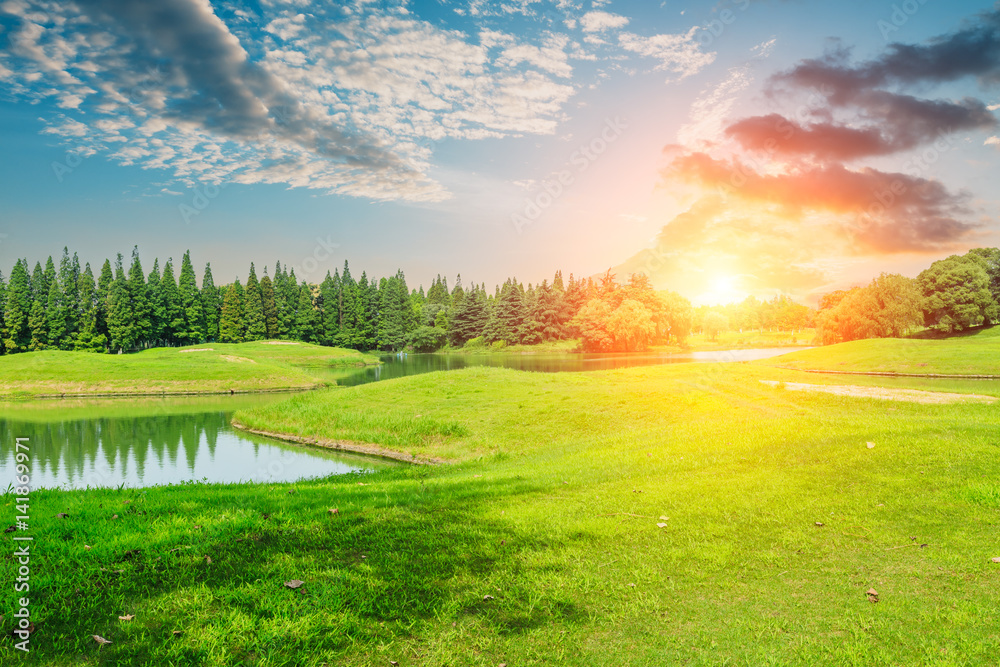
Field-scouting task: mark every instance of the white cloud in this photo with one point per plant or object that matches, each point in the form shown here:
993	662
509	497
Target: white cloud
679	54
600	21
992	141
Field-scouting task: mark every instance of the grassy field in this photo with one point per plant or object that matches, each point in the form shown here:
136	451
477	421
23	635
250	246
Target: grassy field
974	353
683	514
200	369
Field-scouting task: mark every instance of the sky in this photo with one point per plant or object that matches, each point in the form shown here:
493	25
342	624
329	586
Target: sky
724	149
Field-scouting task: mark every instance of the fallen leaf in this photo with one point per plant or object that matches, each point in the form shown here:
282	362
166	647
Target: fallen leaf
62	515
114	516
362	484
996	560
178	633
10	529
487	598
126	617
872	595
661	525
871	445
100	640
333	510
819	523
294	583
208	560
393	662
664	518
632	585
87	547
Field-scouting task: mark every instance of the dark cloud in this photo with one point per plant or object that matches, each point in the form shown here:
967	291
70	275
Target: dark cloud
971	51
885	121
893	123
880	212
208	81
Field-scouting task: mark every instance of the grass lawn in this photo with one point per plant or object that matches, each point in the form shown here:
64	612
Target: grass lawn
199	369
976	352
541	544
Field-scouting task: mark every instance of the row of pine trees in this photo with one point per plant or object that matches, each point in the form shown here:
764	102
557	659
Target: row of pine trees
123	309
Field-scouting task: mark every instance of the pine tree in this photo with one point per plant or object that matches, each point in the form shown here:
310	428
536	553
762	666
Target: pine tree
39	325
469	317
305	317
88	339
347	311
507	315
269	306
16	334
367	309
104	282
231	323
69	276
120	316
395	313
253	309
189	301
139	301
3	306
173	312
55	318
328	317
211	304
157	310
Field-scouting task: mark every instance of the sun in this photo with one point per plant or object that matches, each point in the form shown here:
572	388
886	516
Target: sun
723	284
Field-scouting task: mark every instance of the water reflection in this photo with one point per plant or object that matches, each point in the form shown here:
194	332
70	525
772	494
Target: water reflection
161	449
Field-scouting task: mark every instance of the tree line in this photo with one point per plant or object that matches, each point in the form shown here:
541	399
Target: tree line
124	309
953	294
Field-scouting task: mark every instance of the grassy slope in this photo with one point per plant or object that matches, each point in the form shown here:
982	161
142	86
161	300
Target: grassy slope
554	516
970	354
215	368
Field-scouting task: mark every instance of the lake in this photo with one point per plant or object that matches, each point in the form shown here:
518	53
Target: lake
139	442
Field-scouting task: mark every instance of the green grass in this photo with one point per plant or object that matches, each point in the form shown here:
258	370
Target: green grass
551	511
736	340
199	369
973	353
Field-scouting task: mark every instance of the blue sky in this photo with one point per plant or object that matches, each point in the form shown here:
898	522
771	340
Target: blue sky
484	138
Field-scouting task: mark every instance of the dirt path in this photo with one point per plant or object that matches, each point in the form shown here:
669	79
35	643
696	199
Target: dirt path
912	395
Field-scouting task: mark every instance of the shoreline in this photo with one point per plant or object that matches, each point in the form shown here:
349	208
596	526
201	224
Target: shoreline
341	445
14	398
892	374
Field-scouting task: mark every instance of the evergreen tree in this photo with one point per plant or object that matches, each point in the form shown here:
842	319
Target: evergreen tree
231	323
395	313
305	318
120	317
157	310
88	339
189	301
211	304
173	311
328	318
507	316
367	318
253	309
469	317
269	305
17	309
69	276
347	311
39	325
3	306
55	318
139	301
104	282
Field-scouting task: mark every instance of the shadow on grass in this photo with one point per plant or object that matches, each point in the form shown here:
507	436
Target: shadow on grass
407	546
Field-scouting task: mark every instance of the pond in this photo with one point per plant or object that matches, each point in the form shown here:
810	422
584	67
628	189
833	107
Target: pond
394	366
140	442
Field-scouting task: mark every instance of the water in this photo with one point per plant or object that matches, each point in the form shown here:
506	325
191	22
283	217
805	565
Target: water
395	366
140	442
86	446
